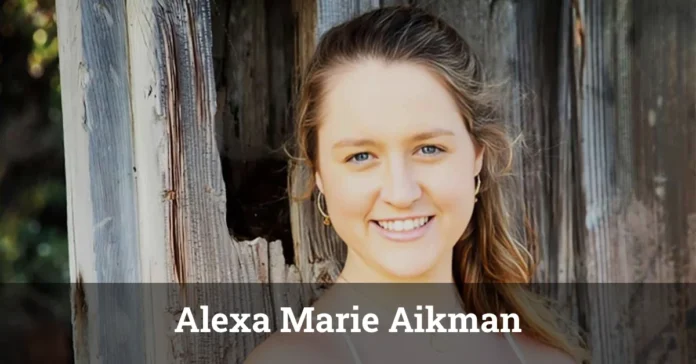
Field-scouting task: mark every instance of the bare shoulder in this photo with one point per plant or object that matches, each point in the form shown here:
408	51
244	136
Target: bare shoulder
296	348
536	352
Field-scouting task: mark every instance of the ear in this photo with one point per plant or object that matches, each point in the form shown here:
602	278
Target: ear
319	182
478	162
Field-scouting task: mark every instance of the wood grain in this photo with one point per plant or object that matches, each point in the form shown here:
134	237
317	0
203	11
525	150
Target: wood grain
103	224
146	193
161	97
636	128
77	174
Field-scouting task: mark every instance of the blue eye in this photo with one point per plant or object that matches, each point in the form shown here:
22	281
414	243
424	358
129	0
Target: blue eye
430	149
360	157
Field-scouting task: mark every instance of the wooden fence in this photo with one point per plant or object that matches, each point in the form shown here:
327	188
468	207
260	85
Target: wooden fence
175	114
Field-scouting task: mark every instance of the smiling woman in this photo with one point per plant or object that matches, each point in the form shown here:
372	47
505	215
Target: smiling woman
400	129
397	155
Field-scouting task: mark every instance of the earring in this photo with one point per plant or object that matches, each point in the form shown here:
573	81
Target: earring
478	185
327	220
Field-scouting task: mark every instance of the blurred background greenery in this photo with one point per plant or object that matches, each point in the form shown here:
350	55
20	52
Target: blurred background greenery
35	312
33	228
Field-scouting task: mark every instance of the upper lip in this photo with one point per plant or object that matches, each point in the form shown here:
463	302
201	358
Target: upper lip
403	218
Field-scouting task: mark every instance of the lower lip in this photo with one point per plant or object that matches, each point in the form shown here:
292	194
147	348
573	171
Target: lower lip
404	236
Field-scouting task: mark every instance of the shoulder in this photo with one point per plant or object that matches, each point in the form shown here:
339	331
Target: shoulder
536	352
296	348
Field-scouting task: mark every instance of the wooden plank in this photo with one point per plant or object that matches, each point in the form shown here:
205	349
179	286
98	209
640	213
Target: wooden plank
146	194
189	90
255	57
246	81
207	253
664	106
99	164
183	107
538	99
331	13
563	265
76	141
254	46
477	22
604	261
654	221
281	26
536	65
108	119
636	122
596	110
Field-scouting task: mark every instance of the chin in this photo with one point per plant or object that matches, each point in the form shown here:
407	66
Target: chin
410	265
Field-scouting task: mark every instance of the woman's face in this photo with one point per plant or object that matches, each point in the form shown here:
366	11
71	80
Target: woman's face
397	167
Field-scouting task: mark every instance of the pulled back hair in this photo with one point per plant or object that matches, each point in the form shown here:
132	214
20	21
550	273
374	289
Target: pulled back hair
491	267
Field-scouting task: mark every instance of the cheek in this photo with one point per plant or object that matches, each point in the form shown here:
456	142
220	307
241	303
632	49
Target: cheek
451	189
349	196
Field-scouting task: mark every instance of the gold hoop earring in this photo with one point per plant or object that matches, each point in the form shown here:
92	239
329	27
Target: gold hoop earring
478	186
327	220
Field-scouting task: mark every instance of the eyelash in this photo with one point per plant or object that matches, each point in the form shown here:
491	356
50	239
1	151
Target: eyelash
438	150
352	157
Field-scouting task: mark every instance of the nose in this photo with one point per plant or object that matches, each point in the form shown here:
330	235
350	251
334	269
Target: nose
400	187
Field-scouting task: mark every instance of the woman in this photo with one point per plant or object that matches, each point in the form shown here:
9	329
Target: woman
408	156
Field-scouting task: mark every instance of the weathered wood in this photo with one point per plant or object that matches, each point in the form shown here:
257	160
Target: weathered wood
103	224
255	60
245	82
636	124
595	113
79	204
663	130
560	150
146	193
159	101
564	203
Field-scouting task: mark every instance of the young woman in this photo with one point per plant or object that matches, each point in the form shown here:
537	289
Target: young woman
408	155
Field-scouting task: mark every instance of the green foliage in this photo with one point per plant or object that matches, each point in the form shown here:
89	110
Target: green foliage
33	233
36	19
32	251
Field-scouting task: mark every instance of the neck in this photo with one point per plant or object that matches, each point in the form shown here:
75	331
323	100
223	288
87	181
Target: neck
439	289
357	270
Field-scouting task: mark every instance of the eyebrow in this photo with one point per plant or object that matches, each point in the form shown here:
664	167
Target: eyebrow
418	137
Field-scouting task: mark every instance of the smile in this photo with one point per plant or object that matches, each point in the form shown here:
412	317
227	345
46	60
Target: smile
403	229
403	225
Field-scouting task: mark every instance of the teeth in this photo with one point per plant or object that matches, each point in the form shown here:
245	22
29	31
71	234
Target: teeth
409	224
403	225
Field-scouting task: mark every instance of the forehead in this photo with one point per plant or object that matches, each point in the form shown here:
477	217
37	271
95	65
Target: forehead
372	97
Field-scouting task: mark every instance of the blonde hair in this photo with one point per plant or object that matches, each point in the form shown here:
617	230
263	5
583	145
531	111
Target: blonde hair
491	267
